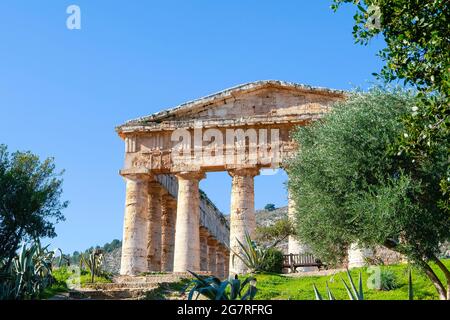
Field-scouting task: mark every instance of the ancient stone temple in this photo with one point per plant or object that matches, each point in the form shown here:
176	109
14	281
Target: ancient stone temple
169	224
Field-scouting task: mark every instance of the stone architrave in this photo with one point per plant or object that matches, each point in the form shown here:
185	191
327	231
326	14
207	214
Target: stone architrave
187	230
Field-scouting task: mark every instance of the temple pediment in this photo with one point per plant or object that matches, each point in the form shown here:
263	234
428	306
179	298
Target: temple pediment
255	102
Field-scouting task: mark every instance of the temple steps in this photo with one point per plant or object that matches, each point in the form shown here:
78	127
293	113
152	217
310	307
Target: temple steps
154	286
110	294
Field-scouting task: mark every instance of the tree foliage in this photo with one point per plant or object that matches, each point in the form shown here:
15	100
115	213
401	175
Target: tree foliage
417	37
30	203
273	261
269	207
275	233
351	186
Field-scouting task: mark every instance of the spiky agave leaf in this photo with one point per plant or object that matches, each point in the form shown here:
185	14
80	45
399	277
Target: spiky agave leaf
317	293
247	257
220	294
330	294
361	291
235	286
410	286
251	292
252	256
349	292
357	294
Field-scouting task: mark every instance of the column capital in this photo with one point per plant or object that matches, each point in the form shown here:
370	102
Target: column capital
190	175
245	172
137	174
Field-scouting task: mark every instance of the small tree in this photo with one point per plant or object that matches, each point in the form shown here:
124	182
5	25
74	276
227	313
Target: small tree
275	233
29	200
351	186
269	207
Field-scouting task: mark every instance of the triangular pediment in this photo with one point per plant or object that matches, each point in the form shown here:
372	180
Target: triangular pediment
261	99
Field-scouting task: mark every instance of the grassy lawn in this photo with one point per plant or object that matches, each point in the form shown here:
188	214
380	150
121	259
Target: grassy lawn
274	286
62	274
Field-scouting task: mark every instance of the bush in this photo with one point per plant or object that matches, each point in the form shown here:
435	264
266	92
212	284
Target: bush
388	280
273	261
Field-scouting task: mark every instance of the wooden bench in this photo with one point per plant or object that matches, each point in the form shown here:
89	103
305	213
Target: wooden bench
294	261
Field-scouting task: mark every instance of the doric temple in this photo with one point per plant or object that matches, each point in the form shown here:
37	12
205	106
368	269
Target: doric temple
169	224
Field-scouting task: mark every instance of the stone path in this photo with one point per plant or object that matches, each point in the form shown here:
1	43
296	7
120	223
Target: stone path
314	273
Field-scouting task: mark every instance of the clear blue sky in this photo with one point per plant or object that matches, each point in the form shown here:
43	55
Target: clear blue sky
63	91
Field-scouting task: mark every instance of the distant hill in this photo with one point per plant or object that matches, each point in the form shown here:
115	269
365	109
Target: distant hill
266	217
112	252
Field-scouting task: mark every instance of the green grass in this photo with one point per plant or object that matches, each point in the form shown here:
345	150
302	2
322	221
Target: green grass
275	286
61	276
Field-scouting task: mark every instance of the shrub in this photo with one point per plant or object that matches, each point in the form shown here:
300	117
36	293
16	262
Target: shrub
273	261
270	207
388	280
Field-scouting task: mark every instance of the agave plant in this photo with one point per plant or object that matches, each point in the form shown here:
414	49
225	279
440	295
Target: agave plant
29	273
214	289
354	293
410	286
251	255
93	261
358	294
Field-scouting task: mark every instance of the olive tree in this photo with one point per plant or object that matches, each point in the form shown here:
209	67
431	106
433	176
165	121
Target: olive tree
417	51
30	203
350	184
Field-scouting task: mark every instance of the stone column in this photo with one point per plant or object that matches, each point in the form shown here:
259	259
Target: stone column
212	252
242	214
135	228
169	207
203	249
294	246
226	263
154	226
187	236
220	260
357	256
